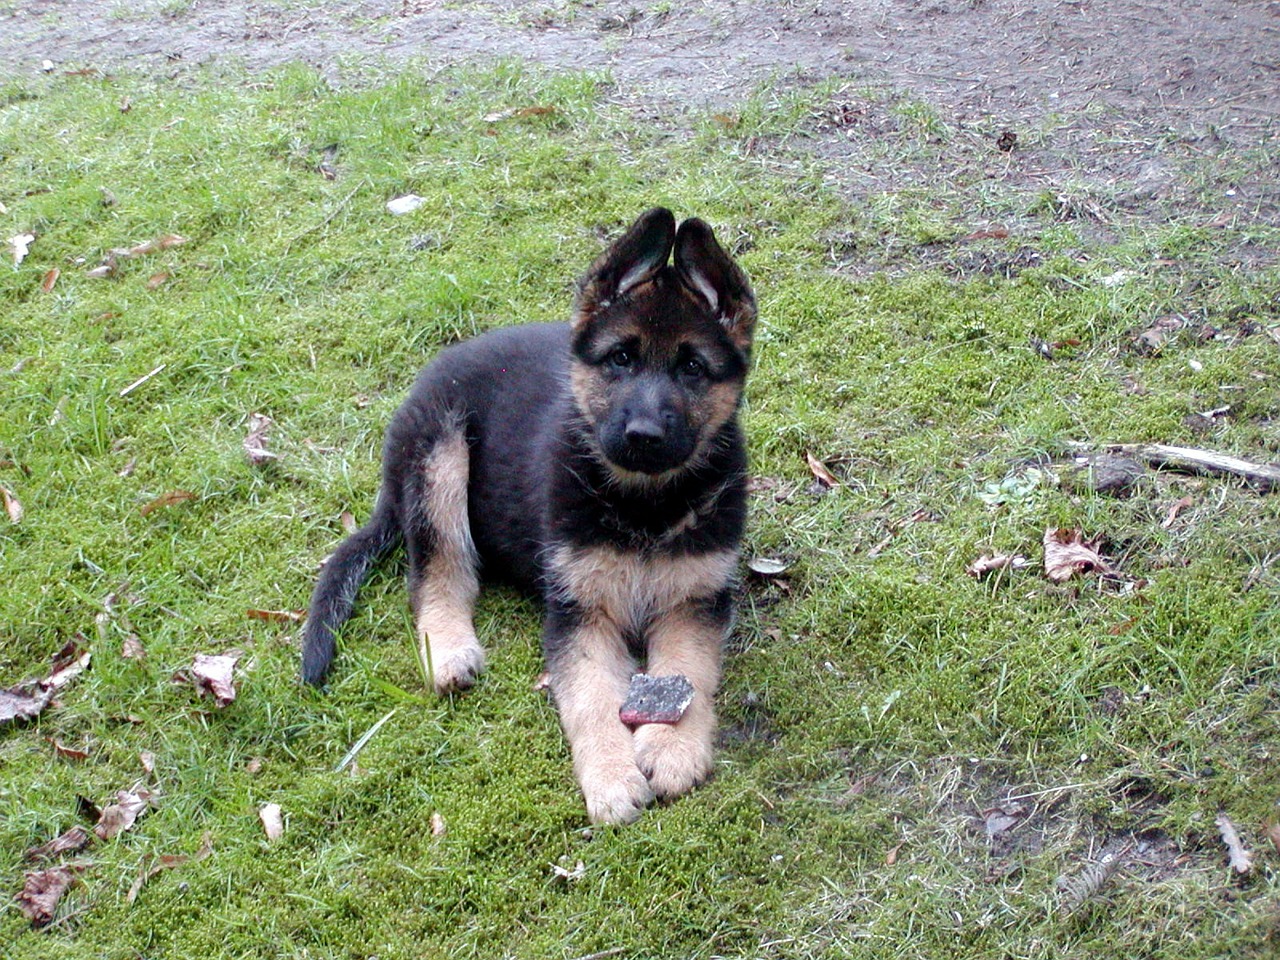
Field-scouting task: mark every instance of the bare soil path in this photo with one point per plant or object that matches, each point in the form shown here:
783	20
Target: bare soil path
1118	81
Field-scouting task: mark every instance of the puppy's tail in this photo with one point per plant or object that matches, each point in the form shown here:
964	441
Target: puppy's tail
335	593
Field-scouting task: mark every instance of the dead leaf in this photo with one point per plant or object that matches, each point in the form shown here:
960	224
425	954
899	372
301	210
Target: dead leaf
1174	510
1068	554
157	280
21	244
148	247
820	471
438	828
19	704
166	861
988	563
348	521
11	505
42	889
254	766
1241	861
70	753
167	500
278	616
1273	834
107	268
131	648
272	820
891	857
148	761
213	673
68	663
255	443
993	233
127	469
121	815
50	278
70	841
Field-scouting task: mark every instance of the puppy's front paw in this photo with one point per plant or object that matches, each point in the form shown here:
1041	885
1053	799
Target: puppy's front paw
673	759
457	669
615	794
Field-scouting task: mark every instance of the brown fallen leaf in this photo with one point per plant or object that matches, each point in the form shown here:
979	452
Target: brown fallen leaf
891	857
62	750
121	815
820	471
348	521
1068	554
167	500
438	826
150	246
254	766
70	841
255	443
152	867
1174	510
131	647
272	820
1272	831
148	761
42	889
987	563
50	278
12	506
212	673
166	861
157	280
278	616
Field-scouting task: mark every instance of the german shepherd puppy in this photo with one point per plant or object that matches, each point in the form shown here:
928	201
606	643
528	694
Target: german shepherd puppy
600	464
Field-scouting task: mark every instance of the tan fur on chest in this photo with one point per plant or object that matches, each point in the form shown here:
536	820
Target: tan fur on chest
633	590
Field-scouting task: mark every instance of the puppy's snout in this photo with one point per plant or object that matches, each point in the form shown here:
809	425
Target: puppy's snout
644	431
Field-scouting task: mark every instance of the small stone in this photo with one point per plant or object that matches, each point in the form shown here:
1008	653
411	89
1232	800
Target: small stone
656	699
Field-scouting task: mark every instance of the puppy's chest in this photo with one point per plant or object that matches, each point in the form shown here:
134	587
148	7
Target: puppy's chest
632	588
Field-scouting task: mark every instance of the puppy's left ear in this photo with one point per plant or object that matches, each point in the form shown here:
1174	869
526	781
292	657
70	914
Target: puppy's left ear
711	274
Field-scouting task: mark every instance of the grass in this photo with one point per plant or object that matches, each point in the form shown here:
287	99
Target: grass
879	705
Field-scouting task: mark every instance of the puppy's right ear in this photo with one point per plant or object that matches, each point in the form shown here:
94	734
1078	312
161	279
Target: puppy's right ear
629	261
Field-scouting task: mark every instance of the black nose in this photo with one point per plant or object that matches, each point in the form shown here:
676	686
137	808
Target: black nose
644	431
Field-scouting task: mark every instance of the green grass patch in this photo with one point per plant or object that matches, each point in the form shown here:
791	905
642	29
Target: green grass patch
882	711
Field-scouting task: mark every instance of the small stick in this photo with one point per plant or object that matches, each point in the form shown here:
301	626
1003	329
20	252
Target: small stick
141	380
1196	461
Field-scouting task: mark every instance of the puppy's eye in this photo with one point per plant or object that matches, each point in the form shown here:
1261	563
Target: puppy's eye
621	358
694	368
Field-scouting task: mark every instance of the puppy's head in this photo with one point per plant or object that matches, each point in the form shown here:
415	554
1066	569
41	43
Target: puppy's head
660	347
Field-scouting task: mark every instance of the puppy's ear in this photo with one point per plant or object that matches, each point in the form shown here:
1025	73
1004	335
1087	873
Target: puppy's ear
710	274
629	261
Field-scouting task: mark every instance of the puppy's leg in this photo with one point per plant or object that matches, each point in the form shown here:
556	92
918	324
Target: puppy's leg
687	640
590	671
442	565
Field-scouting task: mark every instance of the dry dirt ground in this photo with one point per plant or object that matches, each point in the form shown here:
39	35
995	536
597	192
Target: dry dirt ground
1151	110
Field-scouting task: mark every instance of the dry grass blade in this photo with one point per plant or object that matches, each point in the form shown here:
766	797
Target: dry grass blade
1241	861
1075	891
